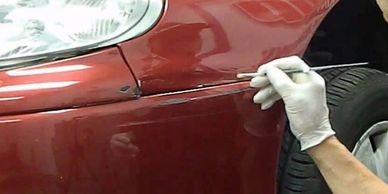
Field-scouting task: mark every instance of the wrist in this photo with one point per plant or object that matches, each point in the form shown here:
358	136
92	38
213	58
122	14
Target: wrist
325	146
316	136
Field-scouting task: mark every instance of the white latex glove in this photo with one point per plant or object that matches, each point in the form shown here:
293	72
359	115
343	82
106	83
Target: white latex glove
304	96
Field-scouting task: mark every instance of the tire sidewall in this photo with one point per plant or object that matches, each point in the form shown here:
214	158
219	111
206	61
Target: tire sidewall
366	106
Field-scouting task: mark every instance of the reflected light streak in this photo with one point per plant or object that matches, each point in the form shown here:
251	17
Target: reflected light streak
49	70
10	121
37	86
58	111
11	98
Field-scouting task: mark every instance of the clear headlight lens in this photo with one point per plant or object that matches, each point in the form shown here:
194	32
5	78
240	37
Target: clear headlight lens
32	28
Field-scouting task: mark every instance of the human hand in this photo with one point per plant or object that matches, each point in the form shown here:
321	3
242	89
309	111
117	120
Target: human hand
304	96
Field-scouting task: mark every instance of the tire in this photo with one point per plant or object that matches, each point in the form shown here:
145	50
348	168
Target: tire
357	99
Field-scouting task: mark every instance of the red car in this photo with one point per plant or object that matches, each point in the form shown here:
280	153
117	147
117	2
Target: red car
141	96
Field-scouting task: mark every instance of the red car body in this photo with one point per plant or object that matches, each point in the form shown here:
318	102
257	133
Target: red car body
161	113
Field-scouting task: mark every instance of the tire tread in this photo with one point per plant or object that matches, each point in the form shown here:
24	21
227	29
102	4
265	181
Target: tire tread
297	173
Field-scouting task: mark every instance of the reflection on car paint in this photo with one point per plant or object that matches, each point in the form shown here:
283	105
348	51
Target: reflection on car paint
49	70
140	146
37	86
10	121
211	41
11	98
82	81
166	118
289	11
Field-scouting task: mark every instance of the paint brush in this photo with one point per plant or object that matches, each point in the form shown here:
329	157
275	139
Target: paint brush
288	71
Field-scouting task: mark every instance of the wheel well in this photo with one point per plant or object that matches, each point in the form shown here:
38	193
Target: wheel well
354	31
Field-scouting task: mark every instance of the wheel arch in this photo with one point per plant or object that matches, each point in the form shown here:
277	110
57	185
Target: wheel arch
354	31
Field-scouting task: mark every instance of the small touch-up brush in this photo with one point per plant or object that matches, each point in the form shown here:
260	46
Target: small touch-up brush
288	71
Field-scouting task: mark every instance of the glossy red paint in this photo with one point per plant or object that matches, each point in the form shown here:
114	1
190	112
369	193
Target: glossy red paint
212	141
67	127
92	79
202	43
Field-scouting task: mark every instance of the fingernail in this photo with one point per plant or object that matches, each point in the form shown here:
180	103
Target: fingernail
265	106
254	101
257	100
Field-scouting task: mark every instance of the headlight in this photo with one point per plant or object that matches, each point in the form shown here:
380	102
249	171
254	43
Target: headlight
36	29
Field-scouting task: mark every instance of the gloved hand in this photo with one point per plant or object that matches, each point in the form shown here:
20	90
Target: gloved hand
383	4
304	96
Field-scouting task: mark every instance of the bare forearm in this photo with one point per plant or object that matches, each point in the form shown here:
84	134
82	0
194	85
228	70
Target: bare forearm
383	4
344	173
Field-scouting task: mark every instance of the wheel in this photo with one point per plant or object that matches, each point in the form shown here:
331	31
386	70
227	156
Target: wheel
358	103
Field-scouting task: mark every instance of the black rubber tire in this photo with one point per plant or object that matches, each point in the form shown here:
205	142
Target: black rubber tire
357	99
